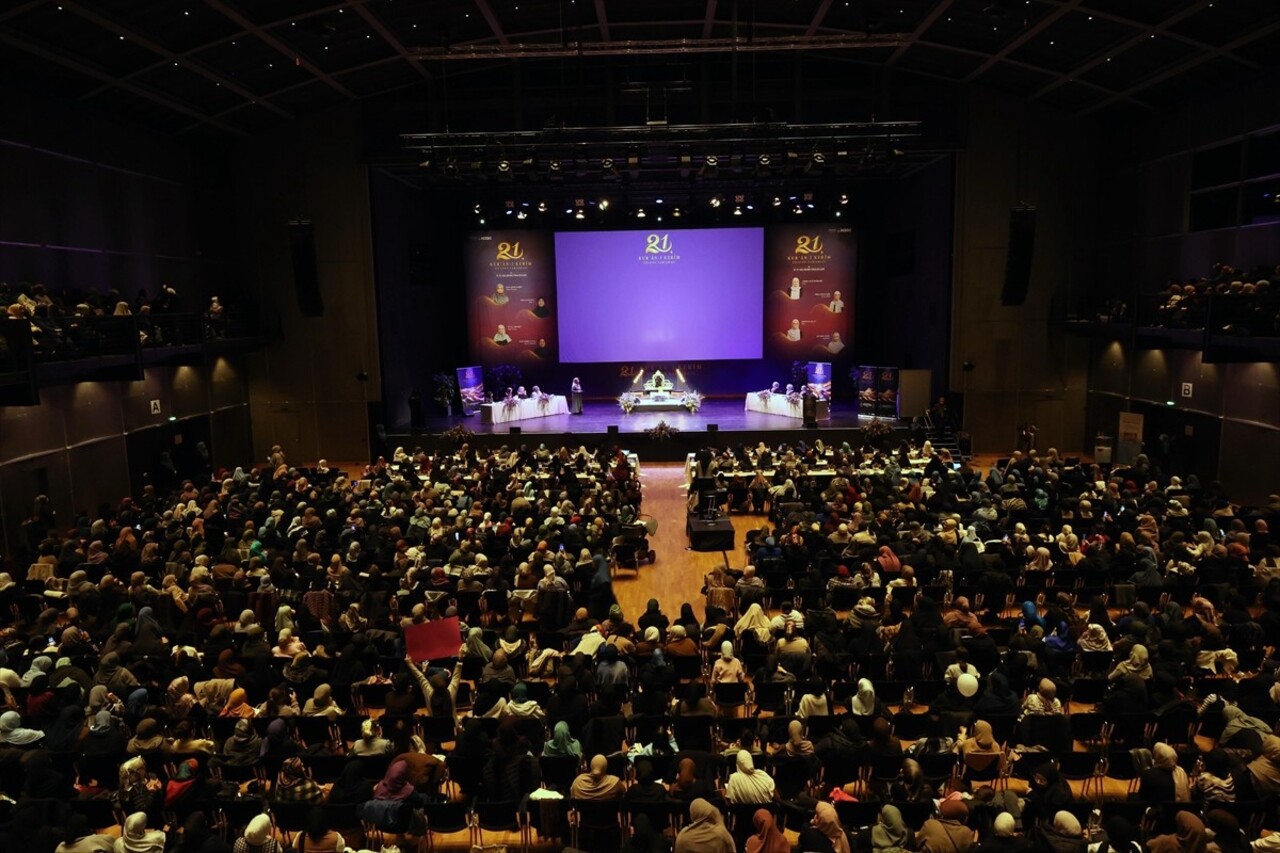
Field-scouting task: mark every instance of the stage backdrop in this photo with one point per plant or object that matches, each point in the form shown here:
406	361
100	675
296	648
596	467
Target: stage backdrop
511	292
809	292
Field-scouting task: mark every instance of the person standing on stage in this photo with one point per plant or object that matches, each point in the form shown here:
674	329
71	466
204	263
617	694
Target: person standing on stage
575	397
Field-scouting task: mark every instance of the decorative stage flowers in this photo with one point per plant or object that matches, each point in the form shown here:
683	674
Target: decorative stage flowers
661	432
457	434
544	399
691	400
794	397
627	402
876	429
764	395
509	403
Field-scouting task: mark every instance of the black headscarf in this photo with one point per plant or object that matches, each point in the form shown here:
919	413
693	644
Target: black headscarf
63	734
43	781
351	786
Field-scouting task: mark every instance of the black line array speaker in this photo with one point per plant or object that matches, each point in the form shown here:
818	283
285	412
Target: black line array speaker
1017	265
306	284
713	427
613	429
515	430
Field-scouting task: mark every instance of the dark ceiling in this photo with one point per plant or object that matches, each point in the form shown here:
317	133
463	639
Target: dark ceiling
236	67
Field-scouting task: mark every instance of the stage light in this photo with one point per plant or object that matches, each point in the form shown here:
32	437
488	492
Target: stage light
777	202
580	215
679	375
676	213
710	168
737	211
716	201
799	210
477	208
713	160
844	198
510	212
657	201
504	165
481	220
603	204
837	214
639	376
610	173
522	215
554	165
640	213
542	207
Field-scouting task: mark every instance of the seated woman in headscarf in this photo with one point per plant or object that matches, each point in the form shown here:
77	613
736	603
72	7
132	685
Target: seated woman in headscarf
865	703
294	785
136	838
237	705
1164	781
562	742
747	784
1137	664
1004	837
705	832
980	742
147	739
797	744
824	834
767	838
498	669
521	706
1047	794
1189	836
1044	701
1064	835
728	669
322	704
597	783
813	700
243	747
999	699
395	785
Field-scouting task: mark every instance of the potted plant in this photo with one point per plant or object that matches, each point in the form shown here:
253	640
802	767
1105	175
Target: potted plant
875	432
691	400
661	432
446	387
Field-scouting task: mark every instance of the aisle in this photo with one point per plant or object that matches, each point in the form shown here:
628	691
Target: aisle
676	576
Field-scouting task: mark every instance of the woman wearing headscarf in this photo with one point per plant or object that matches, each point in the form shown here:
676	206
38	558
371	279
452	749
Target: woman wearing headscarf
41	665
688	786
1004	837
1048	794
42	780
728	669
257	837
824	834
1095	639
293	785
1064	835
1189	836
767	838
237	705
980	742
63	735
322	704
1241	730
1137	664
136	838
597	783
705	832
864	702
279	740
890	833
243	747
748	784
999	699
1216	782
797	744
184	784
12	732
351	786
147	738
395	785
113	675
1227	835
644	837
475	646
946	833
1164	781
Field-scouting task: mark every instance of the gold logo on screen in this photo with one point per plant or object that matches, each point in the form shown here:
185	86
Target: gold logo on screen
806	245
658	244
510	252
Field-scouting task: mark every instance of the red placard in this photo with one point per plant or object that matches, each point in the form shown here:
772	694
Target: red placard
433	640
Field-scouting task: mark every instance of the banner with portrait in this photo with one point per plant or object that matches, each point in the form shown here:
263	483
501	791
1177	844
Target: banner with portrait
809	278
511	295
471	389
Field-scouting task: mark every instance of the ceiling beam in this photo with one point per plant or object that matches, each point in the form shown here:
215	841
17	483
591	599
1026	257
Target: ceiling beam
923	27
169	56
1022	38
1146	34
1026	66
77	65
710	20
818	17
492	19
1252	35
235	36
390	38
19	9
1143	25
253	29
602	18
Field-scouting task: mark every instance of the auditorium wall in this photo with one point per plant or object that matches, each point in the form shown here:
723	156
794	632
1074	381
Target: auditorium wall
1148	237
1025	370
306	393
92	203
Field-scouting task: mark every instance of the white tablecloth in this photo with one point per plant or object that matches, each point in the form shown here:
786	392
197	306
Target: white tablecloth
497	413
777	404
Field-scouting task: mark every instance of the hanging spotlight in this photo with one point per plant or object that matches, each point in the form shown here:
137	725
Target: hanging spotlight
676	213
610	173
522	216
542	207
844	198
777	202
710	168
580	215
603	204
716	201
477	208
640	213
737	211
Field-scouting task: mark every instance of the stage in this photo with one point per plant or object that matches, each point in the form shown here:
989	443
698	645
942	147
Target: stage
733	425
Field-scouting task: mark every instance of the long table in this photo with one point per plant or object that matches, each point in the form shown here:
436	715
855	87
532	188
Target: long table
822	474
778	404
523	410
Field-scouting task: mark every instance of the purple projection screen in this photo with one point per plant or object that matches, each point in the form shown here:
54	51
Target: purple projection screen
660	295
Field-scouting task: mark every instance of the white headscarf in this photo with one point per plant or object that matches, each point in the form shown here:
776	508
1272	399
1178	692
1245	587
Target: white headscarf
747	784
864	701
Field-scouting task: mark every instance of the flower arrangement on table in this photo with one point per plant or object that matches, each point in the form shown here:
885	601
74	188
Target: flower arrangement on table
794	397
764	395
876	430
509	403
544	399
691	400
627	401
661	432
